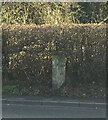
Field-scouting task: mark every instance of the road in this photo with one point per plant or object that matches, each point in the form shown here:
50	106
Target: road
48	111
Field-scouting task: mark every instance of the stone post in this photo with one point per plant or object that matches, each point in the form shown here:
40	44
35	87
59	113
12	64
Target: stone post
58	71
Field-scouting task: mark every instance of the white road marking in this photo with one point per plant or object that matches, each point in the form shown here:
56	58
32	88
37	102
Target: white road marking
95	103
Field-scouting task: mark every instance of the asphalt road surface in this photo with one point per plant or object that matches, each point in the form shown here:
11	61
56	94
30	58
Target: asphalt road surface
48	111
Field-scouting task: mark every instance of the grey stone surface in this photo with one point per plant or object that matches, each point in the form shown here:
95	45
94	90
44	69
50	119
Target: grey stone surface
58	71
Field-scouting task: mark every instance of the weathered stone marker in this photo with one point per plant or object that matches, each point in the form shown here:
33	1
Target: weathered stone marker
58	71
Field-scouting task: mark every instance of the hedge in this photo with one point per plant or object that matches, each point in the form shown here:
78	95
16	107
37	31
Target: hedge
28	50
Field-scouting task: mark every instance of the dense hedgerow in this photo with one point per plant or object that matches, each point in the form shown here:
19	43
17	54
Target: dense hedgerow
28	49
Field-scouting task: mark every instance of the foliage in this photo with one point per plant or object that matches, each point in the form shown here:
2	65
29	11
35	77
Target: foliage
10	89
27	52
95	12
53	12
39	12
13	89
35	92
34	31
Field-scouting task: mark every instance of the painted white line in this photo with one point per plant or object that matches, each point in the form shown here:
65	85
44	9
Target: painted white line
56	102
2	99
